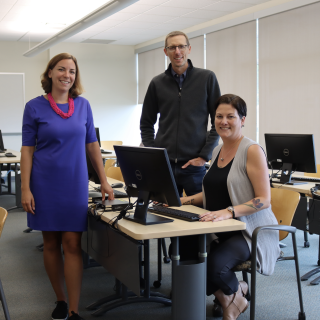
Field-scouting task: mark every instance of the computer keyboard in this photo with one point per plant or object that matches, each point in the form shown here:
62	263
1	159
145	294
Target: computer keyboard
97	194
119	194
178	214
306	179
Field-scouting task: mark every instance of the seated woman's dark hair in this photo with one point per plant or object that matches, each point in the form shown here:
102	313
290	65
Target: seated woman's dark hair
233	100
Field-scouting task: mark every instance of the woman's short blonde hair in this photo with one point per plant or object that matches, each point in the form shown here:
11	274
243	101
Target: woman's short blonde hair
46	82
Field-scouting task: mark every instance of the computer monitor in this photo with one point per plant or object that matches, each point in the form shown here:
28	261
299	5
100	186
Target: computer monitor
1	142
148	176
92	174
291	152
98	136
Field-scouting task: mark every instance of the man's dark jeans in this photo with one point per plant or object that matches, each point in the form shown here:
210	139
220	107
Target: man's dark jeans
189	180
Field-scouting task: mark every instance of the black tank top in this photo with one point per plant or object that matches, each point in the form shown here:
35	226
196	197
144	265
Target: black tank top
215	187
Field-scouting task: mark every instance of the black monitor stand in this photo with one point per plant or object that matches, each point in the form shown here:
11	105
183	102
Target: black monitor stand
141	214
285	177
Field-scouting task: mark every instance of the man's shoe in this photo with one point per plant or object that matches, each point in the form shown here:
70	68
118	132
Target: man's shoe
61	311
75	316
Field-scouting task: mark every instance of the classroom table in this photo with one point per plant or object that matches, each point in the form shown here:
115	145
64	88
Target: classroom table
187	300
111	155
303	221
12	163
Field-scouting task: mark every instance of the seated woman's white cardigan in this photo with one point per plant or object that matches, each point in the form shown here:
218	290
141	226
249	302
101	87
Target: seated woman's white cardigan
240	191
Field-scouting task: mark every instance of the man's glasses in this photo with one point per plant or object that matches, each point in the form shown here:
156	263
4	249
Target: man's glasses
182	48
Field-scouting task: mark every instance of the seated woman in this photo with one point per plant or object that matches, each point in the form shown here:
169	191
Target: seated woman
236	186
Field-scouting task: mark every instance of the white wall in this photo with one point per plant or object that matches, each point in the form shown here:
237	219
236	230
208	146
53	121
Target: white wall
108	74
12	60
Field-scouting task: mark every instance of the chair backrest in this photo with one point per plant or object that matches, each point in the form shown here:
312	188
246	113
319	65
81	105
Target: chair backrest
108	145
115	173
3	217
284	204
317	175
109	163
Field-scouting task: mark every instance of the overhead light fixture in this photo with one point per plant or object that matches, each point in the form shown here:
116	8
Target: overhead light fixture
92	18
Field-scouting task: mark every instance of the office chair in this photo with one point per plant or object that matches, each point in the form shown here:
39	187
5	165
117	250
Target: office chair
109	163
3	217
108	145
115	173
284	204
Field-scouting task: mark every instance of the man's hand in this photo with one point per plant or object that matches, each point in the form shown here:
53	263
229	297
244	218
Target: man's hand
198	162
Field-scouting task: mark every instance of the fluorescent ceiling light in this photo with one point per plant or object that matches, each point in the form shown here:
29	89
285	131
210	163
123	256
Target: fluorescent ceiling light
92	18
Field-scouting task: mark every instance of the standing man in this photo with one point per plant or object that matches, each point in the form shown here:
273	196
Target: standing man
184	96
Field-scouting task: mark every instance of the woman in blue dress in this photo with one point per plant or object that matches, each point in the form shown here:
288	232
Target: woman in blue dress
57	132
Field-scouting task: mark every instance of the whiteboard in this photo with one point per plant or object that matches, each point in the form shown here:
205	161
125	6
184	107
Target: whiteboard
12	101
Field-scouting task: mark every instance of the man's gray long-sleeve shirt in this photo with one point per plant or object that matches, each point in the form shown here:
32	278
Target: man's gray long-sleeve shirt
183	114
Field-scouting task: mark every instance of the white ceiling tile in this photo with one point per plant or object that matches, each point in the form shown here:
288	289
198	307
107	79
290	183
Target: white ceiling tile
4	10
205	14
137	24
153	2
122	16
7	2
106	23
228	6
151	18
253	2
187	20
189	3
170	11
138	8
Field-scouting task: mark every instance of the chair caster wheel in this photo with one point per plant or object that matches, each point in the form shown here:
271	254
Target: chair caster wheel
306	244
166	259
157	284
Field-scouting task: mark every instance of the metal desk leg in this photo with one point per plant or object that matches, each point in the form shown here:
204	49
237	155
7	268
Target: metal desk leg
188	284
125	297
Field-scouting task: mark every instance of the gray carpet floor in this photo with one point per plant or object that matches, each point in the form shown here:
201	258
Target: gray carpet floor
30	296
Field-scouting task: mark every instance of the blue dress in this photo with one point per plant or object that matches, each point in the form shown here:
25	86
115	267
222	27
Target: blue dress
59	177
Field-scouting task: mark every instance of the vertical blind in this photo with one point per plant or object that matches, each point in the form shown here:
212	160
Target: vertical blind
150	64
231	55
289	73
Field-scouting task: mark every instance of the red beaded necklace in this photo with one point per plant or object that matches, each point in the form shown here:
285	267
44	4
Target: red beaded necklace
58	111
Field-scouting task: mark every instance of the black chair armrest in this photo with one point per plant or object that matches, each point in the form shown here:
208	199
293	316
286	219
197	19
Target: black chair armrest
255	234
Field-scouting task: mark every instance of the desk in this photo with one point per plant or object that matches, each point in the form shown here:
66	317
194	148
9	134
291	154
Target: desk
186	298
109	155
9	161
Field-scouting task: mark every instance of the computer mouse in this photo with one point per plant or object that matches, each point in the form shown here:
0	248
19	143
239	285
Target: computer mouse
117	185
9	154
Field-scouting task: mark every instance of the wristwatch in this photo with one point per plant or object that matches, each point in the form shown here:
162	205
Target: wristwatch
231	209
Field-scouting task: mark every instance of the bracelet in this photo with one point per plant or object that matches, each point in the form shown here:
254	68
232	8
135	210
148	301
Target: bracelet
231	209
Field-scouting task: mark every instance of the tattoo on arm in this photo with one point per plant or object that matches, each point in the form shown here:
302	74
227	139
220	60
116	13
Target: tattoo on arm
256	204
189	202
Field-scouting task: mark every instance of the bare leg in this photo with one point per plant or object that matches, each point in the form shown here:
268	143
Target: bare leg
73	267
53	262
